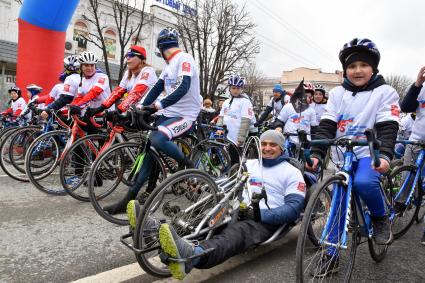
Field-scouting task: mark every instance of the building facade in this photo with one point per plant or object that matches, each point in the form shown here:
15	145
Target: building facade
157	15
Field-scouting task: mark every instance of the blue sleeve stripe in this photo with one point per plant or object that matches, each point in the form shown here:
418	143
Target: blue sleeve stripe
48	14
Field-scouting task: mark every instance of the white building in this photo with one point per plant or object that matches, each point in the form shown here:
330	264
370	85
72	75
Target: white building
158	14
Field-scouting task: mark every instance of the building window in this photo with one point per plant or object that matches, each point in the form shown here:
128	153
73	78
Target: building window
110	44
81	32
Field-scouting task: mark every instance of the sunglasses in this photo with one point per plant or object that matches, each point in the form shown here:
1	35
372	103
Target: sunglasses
131	54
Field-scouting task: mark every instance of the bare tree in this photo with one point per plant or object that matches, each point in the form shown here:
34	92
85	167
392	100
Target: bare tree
220	36
122	12
400	83
254	81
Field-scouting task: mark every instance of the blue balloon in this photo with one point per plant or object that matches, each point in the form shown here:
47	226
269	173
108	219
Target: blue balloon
48	14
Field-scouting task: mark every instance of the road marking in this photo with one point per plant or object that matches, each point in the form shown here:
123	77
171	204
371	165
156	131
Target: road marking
133	270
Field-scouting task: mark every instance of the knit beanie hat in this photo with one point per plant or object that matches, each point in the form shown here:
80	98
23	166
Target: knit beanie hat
275	137
363	56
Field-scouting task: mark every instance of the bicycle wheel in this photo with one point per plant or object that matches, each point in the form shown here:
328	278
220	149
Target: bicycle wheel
183	200
421	213
404	218
114	167
42	160
76	163
13	146
211	157
309	256
318	220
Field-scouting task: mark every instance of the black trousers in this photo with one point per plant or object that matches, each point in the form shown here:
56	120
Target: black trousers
236	238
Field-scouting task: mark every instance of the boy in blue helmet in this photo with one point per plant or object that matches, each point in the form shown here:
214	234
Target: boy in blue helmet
179	109
364	100
280	98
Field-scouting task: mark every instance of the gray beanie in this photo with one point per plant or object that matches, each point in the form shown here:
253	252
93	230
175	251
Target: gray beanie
274	136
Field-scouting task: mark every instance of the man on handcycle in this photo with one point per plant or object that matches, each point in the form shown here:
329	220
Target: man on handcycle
285	189
180	108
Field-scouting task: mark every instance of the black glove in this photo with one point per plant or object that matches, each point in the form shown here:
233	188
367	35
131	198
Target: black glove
93	111
74	110
256	124
150	109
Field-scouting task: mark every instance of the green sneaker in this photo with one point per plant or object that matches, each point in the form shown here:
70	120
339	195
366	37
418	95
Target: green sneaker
133	209
176	247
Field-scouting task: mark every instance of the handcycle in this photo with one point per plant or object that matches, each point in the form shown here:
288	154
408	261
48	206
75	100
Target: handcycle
347	219
198	206
119	165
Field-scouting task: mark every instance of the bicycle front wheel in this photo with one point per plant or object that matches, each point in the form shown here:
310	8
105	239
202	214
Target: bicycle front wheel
183	200
76	164
316	262
42	160
211	157
115	168
403	177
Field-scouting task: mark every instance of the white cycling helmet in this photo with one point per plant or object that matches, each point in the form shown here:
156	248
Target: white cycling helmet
87	57
71	63
34	87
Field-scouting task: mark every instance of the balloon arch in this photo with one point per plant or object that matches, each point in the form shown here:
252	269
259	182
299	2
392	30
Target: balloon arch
41	41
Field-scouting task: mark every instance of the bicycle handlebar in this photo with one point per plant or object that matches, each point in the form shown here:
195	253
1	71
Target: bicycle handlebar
141	115
374	145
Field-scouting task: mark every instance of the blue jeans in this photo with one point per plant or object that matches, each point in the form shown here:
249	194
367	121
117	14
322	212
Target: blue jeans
168	128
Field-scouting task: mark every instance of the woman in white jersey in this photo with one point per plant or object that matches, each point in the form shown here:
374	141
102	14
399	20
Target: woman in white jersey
180	81
319	105
137	81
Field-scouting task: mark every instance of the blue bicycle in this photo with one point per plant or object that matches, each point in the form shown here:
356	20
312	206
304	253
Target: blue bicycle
348	221
409	189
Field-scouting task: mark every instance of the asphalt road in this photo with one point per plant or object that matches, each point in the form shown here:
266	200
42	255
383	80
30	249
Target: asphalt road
58	239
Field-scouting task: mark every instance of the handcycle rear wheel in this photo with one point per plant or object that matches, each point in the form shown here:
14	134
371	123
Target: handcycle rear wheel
182	200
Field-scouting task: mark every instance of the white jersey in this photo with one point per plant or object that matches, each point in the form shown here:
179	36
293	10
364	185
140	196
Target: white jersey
56	91
99	80
71	84
319	109
232	114
146	76
418	128
355	114
189	106
286	99
18	104
276	107
406	125
295	121
279	181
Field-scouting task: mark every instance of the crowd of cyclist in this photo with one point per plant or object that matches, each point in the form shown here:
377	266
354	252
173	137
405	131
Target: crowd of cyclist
364	100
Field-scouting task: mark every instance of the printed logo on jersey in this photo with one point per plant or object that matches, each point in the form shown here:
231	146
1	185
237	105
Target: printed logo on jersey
301	187
186	67
343	121
395	111
177	129
250	111
422	103
296	119
101	81
66	87
145	76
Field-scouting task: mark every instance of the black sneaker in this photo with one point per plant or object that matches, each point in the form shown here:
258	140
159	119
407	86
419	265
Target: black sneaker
326	265
382	230
175	246
423	239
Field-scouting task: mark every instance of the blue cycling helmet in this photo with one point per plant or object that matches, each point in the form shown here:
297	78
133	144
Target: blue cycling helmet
360	48
167	38
236	80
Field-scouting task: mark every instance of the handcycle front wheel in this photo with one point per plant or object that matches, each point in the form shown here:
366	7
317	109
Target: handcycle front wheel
309	257
183	200
116	167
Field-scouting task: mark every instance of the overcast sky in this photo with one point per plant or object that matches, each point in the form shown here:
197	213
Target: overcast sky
310	33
